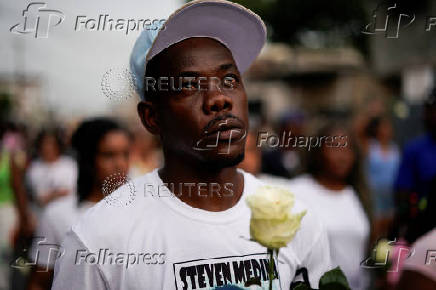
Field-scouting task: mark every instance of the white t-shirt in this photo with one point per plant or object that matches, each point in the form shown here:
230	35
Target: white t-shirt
55	222
172	245
423	259
345	221
44	177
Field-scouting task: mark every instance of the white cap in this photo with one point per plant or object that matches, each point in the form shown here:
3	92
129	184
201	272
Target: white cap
238	28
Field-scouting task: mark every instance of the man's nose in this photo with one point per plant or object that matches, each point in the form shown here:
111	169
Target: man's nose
215	99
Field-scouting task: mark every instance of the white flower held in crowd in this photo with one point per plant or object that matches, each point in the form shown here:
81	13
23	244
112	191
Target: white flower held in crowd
272	223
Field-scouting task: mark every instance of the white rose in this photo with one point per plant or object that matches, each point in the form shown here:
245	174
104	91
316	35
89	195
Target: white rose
272	223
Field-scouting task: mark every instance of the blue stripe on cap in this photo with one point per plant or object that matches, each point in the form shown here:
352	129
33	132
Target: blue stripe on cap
139	53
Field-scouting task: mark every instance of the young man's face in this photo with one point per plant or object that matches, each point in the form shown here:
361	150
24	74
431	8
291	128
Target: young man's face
204	119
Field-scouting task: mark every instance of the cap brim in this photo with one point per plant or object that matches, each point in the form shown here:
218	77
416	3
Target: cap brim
239	29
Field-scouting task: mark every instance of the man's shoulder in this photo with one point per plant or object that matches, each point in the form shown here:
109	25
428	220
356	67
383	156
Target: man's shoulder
111	219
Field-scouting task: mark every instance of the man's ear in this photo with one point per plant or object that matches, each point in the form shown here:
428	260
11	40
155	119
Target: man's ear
147	111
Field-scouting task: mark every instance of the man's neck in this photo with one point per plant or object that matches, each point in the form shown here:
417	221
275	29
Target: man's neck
211	190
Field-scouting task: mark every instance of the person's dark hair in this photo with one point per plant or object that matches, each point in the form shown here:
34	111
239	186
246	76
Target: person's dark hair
57	133
85	142
372	127
355	178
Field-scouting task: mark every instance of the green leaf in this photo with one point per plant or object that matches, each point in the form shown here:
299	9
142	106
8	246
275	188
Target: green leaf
334	280
301	286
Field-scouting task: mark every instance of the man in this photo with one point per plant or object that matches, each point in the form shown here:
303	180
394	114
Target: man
186	225
416	173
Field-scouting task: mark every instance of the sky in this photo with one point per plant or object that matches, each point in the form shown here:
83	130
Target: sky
71	63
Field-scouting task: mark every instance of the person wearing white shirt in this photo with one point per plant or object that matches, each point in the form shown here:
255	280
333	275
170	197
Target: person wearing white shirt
52	174
331	189
107	143
186	225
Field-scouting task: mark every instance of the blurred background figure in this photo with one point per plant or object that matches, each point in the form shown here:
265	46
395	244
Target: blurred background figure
145	154
382	160
15	217
102	148
253	155
419	270
416	174
285	161
51	173
334	189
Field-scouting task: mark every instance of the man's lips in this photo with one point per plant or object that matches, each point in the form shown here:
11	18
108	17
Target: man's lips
225	130
232	134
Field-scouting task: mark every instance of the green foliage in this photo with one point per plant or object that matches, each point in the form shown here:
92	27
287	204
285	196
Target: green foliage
334	280
331	280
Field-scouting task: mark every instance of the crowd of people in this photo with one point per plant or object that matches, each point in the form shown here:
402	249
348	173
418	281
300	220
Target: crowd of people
356	185
363	191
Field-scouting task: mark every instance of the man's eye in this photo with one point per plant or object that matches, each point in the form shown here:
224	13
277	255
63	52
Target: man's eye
230	81
189	85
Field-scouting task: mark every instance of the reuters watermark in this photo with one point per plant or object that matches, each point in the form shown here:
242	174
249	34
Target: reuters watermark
177	84
201	189
116	196
118	84
108	257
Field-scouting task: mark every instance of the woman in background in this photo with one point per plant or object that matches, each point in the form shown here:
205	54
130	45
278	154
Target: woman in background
102	147
51	175
382	161
15	218
333	189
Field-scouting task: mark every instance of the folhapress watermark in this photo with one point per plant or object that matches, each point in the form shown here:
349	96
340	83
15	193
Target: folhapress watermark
221	134
389	20
430	257
108	257
388	255
38	20
286	140
44	256
104	22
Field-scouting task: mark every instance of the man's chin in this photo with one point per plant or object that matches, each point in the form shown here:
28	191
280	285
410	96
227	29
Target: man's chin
221	161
